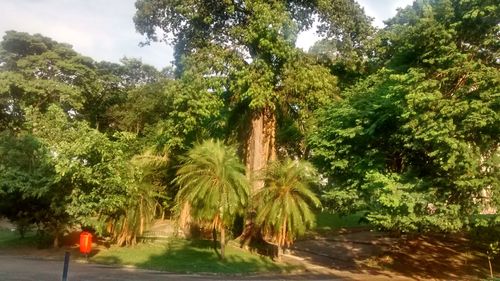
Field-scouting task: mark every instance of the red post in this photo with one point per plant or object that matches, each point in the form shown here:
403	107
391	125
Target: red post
85	242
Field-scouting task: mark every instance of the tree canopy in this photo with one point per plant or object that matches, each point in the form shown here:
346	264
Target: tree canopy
245	53
417	141
401	122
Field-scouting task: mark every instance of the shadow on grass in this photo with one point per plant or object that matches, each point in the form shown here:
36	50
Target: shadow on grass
199	256
12	239
190	256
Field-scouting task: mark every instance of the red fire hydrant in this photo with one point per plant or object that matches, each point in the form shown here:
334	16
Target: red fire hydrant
85	242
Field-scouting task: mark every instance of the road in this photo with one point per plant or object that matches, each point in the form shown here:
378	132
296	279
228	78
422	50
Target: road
16	268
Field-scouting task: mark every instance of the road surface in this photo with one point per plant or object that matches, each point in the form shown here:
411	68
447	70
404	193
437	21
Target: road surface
16	268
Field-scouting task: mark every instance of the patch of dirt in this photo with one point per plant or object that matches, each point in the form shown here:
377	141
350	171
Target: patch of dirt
439	257
425	257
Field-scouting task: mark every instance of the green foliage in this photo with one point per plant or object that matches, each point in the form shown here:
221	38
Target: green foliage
413	138
485	232
58	168
28	187
144	107
191	116
244	54
105	188
417	141
38	72
213	182
213	188
283	205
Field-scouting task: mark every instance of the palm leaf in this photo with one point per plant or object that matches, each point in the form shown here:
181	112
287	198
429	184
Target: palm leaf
284	210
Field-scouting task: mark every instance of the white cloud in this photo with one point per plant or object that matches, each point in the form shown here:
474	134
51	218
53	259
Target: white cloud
307	38
381	10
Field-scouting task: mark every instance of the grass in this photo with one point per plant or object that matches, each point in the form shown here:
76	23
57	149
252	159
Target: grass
172	255
328	221
184	256
11	239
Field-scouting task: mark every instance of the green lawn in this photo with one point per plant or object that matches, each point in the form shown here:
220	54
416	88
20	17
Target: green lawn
173	255
327	221
11	239
185	256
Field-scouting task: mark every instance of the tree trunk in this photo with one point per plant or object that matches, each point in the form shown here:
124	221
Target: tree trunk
222	242
260	149
141	218
123	233
491	268
260	145
56	240
214	238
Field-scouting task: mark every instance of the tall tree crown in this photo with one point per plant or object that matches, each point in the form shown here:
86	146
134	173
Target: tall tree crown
252	42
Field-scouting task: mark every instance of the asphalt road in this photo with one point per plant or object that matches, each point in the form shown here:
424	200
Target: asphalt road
15	268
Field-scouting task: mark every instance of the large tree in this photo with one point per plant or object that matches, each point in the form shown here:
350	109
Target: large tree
56	159
417	142
245	52
37	72
29	191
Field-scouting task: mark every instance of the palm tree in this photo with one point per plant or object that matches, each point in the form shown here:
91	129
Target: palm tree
213	186
142	194
284	211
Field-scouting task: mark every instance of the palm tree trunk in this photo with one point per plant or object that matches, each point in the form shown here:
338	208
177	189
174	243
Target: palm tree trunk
141	218
214	237
282	238
222	242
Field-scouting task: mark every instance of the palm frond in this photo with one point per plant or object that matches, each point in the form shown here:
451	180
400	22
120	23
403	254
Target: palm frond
284	210
211	178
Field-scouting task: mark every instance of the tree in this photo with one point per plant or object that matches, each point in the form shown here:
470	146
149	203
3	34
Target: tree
143	107
248	48
213	186
37	71
30	192
106	188
283	209
54	106
417	142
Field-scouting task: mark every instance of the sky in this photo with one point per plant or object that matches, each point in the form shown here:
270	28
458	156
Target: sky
104	29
